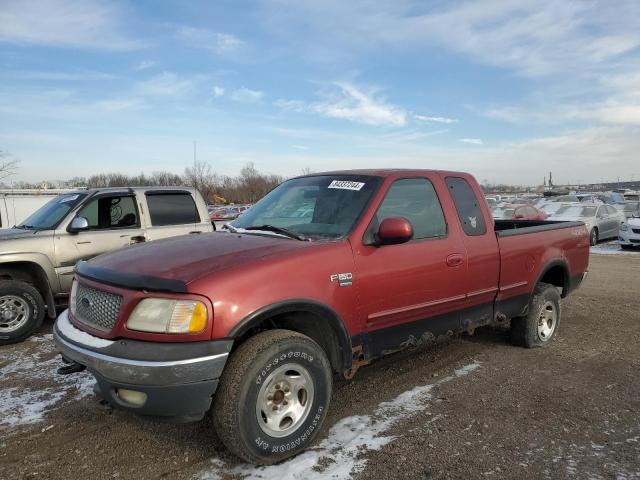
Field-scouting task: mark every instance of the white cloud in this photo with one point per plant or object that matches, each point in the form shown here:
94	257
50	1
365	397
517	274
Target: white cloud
246	95
145	65
217	91
425	118
472	141
531	37
217	42
354	104
166	84
297	106
85	24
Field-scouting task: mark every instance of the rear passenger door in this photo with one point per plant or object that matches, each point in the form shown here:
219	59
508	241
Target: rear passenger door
481	247
171	213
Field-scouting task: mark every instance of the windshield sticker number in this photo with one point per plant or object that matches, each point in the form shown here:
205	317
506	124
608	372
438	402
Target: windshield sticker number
69	199
346	185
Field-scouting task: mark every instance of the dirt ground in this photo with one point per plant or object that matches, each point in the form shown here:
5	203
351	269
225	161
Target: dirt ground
469	407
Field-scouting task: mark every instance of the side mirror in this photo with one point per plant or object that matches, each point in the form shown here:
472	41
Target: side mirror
395	230
78	224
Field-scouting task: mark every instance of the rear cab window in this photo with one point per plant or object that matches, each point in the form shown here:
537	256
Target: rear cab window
467	206
171	208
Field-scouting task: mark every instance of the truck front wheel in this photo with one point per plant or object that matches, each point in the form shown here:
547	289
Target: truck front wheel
21	311
540	325
273	396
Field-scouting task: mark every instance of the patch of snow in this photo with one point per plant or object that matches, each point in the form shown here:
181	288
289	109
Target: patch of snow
612	248
30	385
77	335
347	440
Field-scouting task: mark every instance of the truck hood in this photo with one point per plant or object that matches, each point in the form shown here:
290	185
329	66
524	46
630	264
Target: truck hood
189	257
16	233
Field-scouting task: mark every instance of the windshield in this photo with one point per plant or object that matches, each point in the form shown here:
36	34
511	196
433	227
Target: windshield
51	213
575	211
318	207
631	207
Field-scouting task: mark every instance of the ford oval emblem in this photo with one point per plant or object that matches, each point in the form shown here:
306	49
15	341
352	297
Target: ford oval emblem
86	302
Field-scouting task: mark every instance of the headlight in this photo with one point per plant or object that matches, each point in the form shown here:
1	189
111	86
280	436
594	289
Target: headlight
624	227
164	315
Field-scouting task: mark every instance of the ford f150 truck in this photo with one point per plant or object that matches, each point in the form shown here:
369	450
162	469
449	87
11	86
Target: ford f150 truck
324	274
38	255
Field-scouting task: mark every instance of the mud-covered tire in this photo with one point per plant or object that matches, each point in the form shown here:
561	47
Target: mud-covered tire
593	237
246	382
540	325
28	305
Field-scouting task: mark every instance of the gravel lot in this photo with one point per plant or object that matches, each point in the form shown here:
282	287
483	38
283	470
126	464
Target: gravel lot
469	407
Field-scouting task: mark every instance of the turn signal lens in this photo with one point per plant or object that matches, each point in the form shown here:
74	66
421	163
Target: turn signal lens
188	317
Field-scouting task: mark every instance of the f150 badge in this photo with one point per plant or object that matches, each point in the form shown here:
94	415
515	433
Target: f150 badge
343	279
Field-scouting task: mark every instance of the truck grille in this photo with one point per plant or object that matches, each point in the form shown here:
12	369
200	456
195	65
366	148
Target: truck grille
635	230
96	308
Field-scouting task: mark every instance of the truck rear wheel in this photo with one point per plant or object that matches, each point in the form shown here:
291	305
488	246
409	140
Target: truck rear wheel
540	326
273	396
21	311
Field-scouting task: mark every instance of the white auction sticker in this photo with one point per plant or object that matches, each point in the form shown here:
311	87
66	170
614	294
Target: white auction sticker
346	185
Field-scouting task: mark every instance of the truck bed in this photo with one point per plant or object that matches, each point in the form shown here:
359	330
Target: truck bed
508	228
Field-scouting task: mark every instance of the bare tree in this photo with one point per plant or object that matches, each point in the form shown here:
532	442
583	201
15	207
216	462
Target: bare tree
202	177
7	167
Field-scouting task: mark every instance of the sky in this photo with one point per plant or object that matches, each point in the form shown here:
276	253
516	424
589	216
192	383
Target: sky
505	89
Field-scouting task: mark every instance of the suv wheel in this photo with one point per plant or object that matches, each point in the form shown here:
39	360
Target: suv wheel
21	311
273	396
540	326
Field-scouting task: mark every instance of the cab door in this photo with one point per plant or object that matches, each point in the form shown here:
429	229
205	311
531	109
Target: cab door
481	247
113	222
411	292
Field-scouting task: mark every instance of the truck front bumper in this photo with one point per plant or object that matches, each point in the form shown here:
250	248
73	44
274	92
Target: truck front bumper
149	378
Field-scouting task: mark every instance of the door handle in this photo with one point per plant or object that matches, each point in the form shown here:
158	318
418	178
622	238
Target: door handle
138	239
454	260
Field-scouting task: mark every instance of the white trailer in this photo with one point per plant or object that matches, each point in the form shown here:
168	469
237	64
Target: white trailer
16	205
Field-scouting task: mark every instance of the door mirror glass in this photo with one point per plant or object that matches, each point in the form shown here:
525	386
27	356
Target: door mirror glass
78	224
394	230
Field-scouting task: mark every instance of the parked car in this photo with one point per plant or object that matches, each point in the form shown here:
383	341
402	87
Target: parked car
602	221
260	317
225	213
552	207
629	209
629	234
38	255
518	212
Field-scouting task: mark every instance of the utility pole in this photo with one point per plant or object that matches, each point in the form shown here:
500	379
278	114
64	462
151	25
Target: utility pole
194	152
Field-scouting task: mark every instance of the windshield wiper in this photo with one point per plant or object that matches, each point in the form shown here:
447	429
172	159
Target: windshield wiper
25	227
280	230
231	228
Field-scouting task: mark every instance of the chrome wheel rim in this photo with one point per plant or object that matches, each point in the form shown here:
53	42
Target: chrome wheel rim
284	400
14	313
547	321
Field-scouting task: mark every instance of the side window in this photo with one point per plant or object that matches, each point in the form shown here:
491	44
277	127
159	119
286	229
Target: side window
172	209
467	206
111	212
416	200
602	211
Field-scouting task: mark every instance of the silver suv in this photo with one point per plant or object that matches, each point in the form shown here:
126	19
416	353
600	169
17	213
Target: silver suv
37	257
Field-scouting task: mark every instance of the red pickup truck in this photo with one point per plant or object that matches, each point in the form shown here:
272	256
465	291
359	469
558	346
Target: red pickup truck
324	274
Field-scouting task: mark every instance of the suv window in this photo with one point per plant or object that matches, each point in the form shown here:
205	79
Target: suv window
467	206
111	212
416	200
172	209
